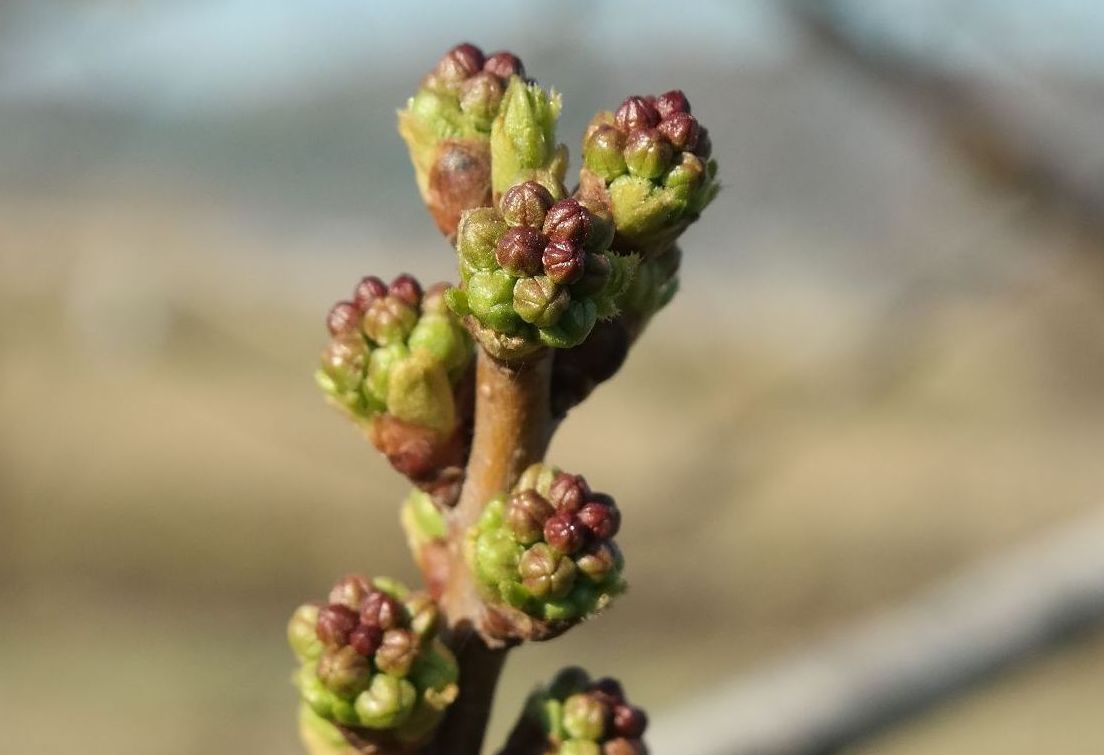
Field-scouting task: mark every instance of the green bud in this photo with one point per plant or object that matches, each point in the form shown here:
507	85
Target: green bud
382	361
424	616
546	573
344	671
648	154
497	557
688	173
320	736
523	139
603	152
477	235
301	633
419	392
343	362
585	717
490	297
389	320
569	681
573	326
539	301
538	477
441	338
396	654
315	694
387	702
599	561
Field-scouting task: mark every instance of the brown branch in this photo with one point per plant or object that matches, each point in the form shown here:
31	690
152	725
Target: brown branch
512	430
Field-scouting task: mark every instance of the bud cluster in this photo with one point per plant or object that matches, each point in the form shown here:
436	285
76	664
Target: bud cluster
447	128
536	271
649	162
371	659
578	716
546	549
397	361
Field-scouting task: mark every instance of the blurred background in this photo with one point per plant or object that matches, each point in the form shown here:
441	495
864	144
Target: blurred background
885	366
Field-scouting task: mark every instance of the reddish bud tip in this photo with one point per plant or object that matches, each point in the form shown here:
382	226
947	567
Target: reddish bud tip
367	291
460	62
609	691
669	103
681	129
601	519
335	623
407	288
564	532
519	251
629	721
526	204
636	113
350	591
504	65
526	515
365	639
567	220
343	319
568	492
380	610
564	262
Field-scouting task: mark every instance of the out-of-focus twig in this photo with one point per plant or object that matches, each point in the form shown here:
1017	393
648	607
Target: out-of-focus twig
899	664
996	137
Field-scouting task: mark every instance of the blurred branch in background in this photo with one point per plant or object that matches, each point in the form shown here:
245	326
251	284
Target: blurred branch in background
1000	127
901	663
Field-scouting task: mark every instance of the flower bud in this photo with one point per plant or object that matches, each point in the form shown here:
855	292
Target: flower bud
350	591
302	633
344	671
381	610
458	64
387	702
580	747
609	691
567	682
523	140
597	561
419	393
526	514
622	746
343	361
490	296
681	129
564	532
672	102
636	113
595	277
397	652
546	573
366	639
343	319
601	518
584	717
389	320
647	153
519	251
367	291
525	204
568	492
629	721
424	615
504	65
406	288
564	262
335	623
539	301
567	220
477	237
480	97
603	152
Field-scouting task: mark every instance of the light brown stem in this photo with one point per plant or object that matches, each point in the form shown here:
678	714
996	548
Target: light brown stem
512	428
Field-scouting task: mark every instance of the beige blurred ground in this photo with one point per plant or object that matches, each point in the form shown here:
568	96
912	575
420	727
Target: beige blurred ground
172	484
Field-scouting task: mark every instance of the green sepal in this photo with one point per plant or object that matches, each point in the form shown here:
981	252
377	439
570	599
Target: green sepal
573	326
419	392
380	365
523	139
386	704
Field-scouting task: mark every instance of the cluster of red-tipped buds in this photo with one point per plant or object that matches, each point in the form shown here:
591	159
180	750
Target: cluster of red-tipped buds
577	716
649	162
371	661
536	272
398	362
447	127
547	550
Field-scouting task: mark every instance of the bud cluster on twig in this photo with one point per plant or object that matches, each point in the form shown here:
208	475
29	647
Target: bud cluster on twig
399	363
546	549
371	663
574	715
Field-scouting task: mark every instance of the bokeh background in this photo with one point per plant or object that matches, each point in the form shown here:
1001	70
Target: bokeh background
886	363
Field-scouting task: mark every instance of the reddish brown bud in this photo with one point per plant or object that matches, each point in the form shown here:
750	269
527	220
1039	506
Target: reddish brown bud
519	251
567	220
636	113
564	262
335	623
669	103
525	204
367	291
601	519
629	721
568	492
564	532
504	65
681	129
350	591
381	610
609	691
365	639
526	514
459	63
343	319
407	288
397	652
647	153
